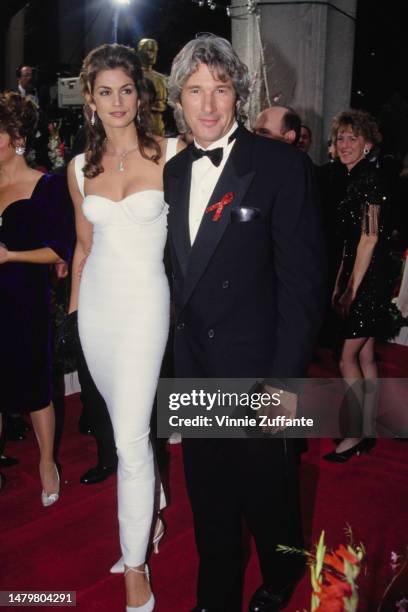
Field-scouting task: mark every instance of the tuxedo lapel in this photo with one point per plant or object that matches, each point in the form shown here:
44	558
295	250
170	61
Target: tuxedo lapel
235	178
179	190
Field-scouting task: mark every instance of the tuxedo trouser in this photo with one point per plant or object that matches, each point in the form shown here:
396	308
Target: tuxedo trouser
230	481
97	415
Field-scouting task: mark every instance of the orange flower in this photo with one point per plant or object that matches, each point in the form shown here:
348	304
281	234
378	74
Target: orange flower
346	555
335	562
336	588
331	596
335	605
333	580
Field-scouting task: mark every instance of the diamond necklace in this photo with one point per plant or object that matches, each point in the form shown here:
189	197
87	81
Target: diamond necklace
121	165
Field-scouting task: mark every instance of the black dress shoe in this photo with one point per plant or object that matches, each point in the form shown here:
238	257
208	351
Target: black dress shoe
266	599
98	474
364	446
7	461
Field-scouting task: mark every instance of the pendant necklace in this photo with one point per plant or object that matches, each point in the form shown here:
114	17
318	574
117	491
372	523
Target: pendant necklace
121	165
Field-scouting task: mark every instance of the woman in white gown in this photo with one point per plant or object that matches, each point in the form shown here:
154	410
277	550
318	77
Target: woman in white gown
119	284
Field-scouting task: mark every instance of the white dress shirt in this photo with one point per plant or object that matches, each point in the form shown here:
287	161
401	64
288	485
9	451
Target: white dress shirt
204	177
31	96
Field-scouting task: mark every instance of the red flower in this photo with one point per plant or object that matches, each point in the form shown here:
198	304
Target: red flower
337	585
332	596
335	562
335	605
346	555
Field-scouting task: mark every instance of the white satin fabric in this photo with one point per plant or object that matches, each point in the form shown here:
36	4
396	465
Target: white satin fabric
123	320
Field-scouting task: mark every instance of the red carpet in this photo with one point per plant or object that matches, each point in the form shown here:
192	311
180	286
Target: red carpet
71	545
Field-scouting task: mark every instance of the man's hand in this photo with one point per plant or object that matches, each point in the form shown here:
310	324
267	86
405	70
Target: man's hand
287	408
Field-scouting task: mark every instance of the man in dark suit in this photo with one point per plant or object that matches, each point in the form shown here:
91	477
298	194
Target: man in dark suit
247	264
279	123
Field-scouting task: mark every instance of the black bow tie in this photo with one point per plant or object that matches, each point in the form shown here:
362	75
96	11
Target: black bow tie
215	155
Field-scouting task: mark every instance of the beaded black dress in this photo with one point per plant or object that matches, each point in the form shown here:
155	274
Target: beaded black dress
364	209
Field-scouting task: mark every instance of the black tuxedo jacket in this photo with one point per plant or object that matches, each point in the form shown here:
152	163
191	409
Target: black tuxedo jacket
249	293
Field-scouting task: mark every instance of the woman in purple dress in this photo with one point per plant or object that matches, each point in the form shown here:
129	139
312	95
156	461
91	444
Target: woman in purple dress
36	230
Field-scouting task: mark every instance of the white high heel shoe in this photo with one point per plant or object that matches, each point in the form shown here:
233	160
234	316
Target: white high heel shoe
159	530
149	605
49	500
119	567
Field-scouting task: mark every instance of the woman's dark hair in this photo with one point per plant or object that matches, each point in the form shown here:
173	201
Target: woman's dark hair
109	57
18	117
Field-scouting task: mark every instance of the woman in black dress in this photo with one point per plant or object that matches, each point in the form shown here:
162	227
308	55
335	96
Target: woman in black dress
36	230
359	295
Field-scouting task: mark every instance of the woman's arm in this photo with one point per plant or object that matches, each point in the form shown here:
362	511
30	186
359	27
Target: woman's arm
364	254
44	255
337	286
84	232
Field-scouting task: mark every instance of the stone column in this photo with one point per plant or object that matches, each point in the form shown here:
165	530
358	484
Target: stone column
99	15
308	53
14	49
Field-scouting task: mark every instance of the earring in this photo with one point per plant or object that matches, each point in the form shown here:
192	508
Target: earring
93	118
366	151
20	149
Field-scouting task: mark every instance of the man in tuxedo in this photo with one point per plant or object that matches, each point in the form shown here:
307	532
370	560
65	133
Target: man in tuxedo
25	83
248	292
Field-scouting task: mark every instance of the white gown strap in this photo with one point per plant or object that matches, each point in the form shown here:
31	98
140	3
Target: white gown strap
79	164
171	148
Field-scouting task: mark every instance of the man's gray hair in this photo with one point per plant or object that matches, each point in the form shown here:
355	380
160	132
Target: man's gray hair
218	54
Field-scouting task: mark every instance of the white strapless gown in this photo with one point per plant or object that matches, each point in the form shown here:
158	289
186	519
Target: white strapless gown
123	320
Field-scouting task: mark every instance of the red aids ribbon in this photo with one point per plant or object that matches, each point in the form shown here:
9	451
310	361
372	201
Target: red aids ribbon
219	206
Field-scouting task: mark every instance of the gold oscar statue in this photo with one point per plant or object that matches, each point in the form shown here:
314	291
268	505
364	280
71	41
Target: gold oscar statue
147	49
